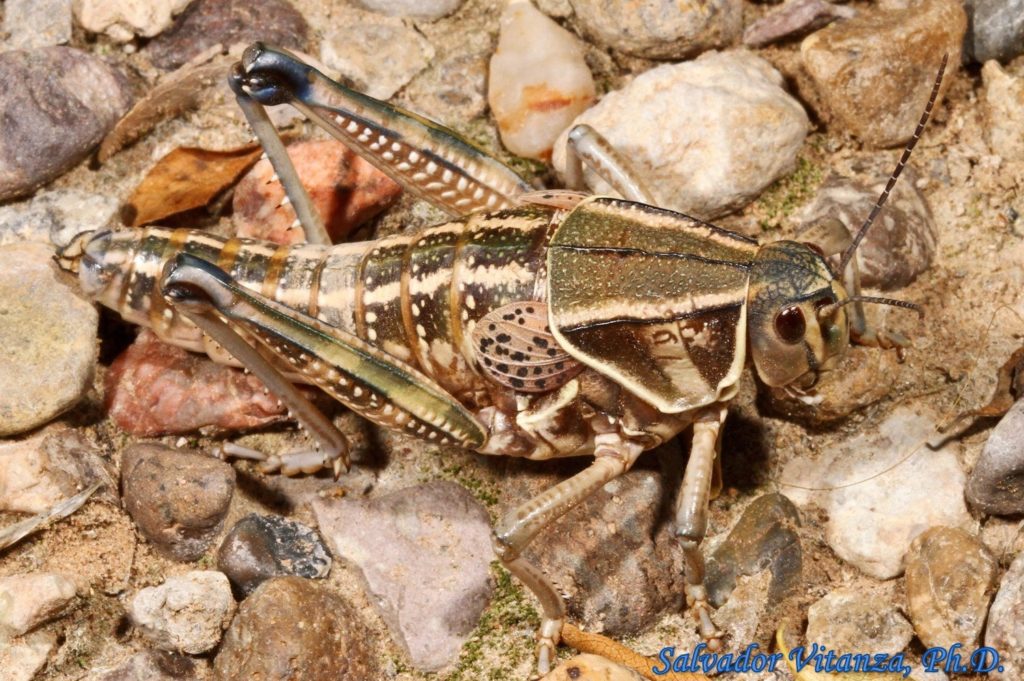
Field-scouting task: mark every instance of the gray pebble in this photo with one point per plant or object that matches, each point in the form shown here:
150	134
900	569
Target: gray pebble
420	9
995	29
37	23
849	621
178	498
425	553
1005	628
187	613
47	339
59	103
794	19
56	217
259	547
996	484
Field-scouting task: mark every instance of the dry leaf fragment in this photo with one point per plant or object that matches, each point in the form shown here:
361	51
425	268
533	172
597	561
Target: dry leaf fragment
185	179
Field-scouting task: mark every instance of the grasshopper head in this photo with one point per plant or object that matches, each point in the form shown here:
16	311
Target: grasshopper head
100	259
796	320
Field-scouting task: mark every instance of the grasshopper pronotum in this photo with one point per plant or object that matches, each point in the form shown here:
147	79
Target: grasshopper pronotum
492	331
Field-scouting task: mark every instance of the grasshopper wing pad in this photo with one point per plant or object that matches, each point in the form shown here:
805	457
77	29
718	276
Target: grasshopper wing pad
376	385
515	348
651	298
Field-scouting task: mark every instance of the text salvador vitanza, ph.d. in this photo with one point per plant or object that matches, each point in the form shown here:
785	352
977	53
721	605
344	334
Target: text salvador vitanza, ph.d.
818	658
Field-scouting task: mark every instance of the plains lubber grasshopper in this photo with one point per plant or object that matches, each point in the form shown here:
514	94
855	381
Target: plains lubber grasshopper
535	324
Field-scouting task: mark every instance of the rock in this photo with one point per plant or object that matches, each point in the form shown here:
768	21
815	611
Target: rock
47	339
765	538
950	578
1005	628
589	667
56	217
41	471
424	553
903	239
345	189
873	73
208	22
995	29
23	658
539	81
154	389
421	9
185	614
28	600
453	89
615	556
875	501
292	628
122	20
151	665
739	128
379	54
849	621
793	19
64	101
178	498
657	29
996	483
1003	104
37	23
259	547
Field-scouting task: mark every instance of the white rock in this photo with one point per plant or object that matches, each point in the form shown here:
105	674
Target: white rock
1003	104
21	659
705	136
421	9
539	81
26	601
37	23
878	503
122	20
55	217
379	54
186	614
851	621
1005	628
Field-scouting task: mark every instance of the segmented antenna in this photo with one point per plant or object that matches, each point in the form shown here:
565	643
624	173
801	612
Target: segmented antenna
827	311
848	253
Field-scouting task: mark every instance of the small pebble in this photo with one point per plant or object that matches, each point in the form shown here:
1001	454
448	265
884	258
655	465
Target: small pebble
177	497
425	553
1004	630
850	621
739	129
47	339
589	667
185	614
65	101
995	29
28	600
154	389
37	23
765	538
226	22
656	29
378	54
996	483
1002	102
122	20
902	240
344	188
420	9
150	665
539	81
453	89
873	73
22	658
950	580
56	217
292	628
259	547
793	19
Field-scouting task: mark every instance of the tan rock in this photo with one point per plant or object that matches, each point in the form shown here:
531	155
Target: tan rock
1003	104
122	20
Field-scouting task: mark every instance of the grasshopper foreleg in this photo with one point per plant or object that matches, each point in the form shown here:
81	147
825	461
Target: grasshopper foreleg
586	146
614	455
692	517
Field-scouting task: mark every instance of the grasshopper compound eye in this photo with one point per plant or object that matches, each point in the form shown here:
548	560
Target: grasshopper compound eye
790	324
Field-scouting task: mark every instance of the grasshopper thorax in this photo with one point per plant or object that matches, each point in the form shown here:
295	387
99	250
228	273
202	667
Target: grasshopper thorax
797	325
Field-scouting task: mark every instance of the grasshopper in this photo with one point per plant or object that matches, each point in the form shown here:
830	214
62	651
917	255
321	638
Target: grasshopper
534	324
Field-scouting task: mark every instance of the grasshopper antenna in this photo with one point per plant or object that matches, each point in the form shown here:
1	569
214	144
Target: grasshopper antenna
848	253
827	311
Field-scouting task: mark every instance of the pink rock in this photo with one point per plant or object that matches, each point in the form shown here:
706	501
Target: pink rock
345	189
155	389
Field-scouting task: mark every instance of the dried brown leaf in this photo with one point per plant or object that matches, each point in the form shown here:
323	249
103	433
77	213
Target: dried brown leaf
185	179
